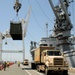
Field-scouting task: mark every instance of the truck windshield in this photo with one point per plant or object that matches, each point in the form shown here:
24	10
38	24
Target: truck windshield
52	53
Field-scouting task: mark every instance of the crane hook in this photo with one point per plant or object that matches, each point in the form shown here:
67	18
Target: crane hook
17	6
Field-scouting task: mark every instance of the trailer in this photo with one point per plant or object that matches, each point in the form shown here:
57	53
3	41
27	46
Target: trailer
49	60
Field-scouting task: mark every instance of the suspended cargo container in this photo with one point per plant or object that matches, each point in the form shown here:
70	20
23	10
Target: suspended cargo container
16	30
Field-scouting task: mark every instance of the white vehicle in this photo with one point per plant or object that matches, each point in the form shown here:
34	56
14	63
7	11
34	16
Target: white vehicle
25	62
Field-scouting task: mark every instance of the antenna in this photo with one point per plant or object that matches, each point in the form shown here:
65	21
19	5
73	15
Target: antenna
47	29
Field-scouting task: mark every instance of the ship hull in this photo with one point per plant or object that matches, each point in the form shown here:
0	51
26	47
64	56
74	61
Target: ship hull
70	56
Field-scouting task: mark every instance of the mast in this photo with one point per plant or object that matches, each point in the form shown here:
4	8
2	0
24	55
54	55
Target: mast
47	29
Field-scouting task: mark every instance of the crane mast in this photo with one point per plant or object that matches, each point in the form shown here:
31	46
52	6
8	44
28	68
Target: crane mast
62	25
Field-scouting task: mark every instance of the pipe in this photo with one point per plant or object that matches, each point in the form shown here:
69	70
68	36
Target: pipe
64	9
54	9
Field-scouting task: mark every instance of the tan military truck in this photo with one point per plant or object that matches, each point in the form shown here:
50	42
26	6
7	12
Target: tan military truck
49	60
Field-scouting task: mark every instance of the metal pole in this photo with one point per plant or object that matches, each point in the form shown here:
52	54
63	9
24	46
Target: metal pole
0	46
47	29
65	10
23	49
23	39
55	13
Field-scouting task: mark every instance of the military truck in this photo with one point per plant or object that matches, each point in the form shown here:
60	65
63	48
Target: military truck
49	60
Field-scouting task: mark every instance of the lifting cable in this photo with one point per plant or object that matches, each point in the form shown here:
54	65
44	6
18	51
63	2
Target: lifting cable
14	45
17	7
43	11
35	17
32	38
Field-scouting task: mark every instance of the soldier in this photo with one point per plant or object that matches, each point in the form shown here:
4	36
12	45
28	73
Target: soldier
4	65
18	63
8	64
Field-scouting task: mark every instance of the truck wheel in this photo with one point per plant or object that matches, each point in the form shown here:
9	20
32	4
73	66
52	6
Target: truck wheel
38	69
65	72
33	66
46	71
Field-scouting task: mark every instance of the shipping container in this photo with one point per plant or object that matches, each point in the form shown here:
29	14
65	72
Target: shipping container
16	30
38	51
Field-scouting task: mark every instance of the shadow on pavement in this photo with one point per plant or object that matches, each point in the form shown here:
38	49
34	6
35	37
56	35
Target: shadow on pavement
27	69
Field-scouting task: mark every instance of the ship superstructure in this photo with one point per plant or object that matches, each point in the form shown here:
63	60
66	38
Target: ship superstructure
44	41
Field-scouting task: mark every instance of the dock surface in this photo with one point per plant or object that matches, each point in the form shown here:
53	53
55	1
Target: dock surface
25	70
13	70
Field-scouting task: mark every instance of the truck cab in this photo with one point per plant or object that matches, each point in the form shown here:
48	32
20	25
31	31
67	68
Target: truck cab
54	61
53	58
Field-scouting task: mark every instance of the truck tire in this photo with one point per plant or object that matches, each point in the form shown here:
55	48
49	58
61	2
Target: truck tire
37	67
65	72
46	71
33	66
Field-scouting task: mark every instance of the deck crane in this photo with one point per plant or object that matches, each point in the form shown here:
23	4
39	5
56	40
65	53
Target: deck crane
25	22
24	27
6	34
62	25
